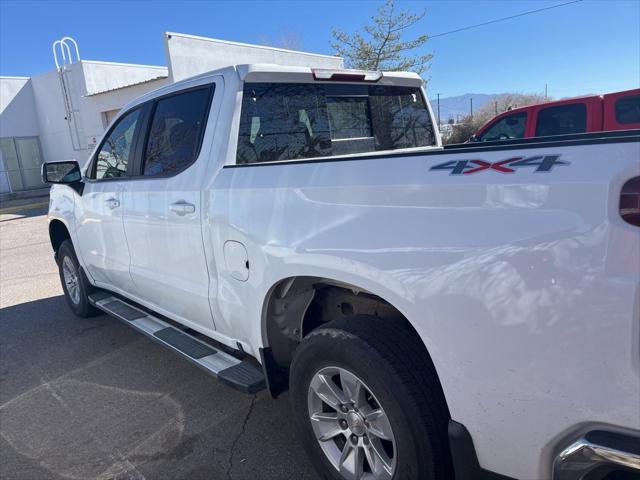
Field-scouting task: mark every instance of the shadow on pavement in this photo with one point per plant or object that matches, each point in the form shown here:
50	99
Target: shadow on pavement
24	213
93	399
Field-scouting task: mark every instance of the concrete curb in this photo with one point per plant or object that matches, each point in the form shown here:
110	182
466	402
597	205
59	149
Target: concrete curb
23	195
20	208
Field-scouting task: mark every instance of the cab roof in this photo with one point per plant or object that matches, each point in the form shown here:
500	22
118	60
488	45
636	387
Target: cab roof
262	72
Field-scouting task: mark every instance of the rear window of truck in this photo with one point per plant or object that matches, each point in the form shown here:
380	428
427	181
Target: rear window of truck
281	121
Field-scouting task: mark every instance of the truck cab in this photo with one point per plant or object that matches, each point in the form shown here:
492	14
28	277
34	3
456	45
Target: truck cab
596	113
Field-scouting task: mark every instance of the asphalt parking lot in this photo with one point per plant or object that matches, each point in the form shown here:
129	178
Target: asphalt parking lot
93	399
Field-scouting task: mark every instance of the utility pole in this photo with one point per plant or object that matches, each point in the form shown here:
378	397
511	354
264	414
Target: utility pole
471	104
438	110
545	92
496	105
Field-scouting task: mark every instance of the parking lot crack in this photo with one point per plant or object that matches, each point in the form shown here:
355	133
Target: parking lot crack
239	436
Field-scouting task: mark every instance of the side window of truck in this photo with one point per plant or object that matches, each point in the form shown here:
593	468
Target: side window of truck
511	126
628	109
562	120
115	153
281	121
175	132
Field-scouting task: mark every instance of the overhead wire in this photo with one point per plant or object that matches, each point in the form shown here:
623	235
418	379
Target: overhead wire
503	19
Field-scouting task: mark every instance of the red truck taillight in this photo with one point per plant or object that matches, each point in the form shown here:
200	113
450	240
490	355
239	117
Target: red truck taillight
630	201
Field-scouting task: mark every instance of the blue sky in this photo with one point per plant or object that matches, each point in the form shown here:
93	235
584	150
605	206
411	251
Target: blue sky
587	47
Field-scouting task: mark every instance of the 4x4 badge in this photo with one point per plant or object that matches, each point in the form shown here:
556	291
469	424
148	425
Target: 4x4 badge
542	163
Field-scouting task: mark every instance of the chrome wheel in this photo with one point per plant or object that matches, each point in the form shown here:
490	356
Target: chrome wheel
71	280
351	426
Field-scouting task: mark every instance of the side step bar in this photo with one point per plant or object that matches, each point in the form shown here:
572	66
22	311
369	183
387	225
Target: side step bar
229	370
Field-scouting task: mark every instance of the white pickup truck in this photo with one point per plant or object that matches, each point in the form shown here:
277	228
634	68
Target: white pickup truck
467	312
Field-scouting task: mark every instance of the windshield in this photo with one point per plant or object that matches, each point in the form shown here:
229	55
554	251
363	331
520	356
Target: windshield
281	121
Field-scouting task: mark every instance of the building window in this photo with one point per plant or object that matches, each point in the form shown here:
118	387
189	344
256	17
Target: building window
21	162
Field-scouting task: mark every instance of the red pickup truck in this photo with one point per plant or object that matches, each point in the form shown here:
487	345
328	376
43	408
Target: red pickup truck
595	113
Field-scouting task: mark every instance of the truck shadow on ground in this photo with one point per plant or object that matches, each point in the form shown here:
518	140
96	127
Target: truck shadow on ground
93	399
9	214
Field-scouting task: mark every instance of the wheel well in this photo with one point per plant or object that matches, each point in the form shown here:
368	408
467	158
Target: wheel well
298	305
58	233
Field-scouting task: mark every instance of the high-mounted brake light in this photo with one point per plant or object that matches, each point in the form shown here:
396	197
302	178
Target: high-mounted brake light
345	75
630	201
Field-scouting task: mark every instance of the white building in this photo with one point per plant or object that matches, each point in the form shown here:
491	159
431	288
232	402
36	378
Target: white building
62	114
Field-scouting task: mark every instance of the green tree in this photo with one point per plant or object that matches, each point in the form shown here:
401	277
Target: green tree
381	45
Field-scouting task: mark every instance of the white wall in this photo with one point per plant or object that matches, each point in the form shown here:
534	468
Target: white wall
94	105
188	55
55	137
17	115
17	108
58	140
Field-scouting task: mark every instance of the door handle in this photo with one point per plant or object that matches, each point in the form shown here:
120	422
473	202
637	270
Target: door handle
182	208
112	203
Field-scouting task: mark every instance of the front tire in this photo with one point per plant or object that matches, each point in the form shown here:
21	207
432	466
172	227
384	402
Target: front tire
75	284
367	404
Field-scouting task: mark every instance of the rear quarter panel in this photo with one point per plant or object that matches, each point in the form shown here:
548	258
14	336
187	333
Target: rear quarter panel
523	286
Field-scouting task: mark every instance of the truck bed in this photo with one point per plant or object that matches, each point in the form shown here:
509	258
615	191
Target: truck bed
534	265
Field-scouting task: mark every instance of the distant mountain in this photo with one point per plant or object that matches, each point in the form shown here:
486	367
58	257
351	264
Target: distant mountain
452	107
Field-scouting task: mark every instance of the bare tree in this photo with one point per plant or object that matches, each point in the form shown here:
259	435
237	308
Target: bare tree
461	132
504	102
381	46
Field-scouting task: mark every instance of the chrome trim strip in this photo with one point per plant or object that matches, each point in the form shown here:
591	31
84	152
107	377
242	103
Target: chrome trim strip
586	454
149	324
218	361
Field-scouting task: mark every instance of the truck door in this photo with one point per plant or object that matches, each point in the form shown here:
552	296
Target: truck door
162	208
100	230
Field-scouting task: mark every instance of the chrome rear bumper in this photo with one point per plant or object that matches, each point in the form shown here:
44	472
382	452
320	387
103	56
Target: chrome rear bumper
597	453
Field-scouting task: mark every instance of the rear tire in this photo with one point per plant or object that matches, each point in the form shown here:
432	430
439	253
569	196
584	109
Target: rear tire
75	284
400	386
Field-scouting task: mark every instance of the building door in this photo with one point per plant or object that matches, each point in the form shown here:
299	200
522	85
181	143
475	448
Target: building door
22	161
